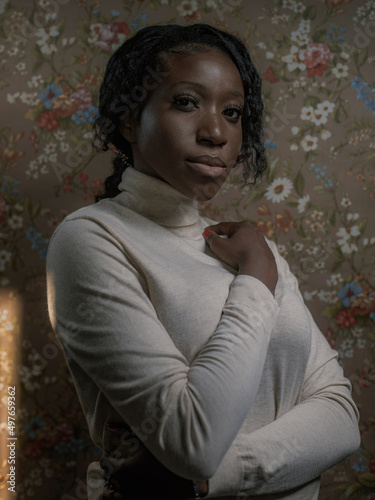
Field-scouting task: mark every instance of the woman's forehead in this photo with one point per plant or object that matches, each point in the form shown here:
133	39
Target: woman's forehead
205	67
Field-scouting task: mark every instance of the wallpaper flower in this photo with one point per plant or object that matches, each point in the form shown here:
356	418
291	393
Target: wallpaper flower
316	201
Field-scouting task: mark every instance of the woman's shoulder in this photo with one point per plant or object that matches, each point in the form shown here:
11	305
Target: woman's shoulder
85	226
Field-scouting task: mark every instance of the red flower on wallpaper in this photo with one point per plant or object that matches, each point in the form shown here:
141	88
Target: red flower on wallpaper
32	450
107	36
362	304
270	76
284	221
346	318
47	120
315	56
33	139
333	4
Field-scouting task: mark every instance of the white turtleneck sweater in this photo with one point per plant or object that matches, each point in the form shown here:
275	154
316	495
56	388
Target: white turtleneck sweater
219	378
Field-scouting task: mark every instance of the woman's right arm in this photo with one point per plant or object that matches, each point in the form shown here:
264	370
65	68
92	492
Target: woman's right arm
101	312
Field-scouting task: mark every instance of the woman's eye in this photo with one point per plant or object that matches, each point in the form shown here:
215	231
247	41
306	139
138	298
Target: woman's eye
233	113
186	101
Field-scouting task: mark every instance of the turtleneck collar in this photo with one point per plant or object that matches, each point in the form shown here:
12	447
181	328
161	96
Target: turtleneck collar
157	200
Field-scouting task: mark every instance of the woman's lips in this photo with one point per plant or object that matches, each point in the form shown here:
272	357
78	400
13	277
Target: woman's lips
212	166
211	161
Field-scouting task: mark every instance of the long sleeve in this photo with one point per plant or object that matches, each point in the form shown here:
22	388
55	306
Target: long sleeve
100	308
317	433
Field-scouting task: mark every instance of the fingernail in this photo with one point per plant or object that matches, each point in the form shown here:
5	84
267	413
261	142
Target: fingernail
206	233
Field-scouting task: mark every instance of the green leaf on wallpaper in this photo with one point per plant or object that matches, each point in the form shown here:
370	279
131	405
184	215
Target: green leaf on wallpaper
272	169
332	310
35	210
320	36
362	226
362	58
336	48
355	491
299	184
310	12
34	113
336	265
371	335
28	205
254	197
311	100
336	115
337	253
363	321
84	26
37	66
332	219
65	122
354	56
301	231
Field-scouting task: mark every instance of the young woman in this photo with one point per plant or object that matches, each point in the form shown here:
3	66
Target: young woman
199	368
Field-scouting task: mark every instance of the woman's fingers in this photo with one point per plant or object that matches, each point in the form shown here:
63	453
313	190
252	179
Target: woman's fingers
243	249
224	228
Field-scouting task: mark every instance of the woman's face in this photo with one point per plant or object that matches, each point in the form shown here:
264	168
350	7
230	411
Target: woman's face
189	133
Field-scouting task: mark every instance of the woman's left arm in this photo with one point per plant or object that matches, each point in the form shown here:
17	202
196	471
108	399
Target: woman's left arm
312	437
300	445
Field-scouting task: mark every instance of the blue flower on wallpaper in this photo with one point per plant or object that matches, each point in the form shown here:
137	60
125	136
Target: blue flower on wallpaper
270	145
34	425
10	187
38	242
364	93
85	115
72	446
320	173
49	94
358	466
348	292
141	19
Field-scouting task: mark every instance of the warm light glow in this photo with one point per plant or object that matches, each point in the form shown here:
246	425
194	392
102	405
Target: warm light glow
10	335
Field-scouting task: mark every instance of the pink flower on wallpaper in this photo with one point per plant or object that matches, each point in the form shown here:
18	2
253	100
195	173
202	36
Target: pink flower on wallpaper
65	430
315	56
82	98
108	36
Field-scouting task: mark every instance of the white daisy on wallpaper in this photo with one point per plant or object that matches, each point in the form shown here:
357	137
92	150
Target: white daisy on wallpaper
279	190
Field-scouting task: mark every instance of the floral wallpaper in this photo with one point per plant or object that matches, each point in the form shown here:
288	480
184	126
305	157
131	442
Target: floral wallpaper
317	59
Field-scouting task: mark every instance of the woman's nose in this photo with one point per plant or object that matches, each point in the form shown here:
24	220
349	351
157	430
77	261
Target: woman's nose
211	130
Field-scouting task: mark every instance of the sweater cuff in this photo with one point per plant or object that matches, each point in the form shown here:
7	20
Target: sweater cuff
253	294
228	479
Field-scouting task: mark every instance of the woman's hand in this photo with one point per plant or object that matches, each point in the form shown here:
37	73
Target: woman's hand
244	249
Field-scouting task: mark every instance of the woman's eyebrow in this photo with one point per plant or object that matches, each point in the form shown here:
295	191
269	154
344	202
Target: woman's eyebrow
200	85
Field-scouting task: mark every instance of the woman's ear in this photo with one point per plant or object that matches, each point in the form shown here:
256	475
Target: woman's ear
128	129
